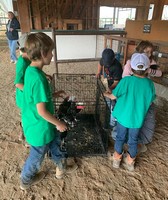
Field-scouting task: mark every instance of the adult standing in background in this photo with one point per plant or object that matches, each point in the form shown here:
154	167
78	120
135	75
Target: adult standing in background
12	35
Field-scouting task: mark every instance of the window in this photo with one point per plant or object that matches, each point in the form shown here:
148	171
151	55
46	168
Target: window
151	9
165	13
114	18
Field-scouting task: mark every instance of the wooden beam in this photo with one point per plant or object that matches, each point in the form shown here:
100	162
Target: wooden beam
65	11
142	10
75	13
89	32
158	9
24	18
95	15
36	14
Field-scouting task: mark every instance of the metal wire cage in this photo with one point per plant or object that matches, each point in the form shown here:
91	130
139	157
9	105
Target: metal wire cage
90	135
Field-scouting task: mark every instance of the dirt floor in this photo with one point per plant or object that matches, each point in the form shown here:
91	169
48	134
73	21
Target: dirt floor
95	178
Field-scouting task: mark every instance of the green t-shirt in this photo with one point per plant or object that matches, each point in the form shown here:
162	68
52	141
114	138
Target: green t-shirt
21	67
37	130
134	96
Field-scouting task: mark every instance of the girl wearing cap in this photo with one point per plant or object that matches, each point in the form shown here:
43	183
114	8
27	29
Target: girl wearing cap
112	69
134	96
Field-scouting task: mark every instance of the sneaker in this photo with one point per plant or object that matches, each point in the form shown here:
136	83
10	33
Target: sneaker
116	162
15	62
128	166
12	61
60	173
142	148
36	179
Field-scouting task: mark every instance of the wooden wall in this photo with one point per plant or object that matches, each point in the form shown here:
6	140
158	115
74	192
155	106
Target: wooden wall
44	14
159	30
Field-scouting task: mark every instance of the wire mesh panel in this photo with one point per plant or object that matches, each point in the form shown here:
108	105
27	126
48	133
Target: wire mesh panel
81	86
87	136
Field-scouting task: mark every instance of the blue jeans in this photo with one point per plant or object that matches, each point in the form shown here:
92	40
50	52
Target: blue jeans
12	47
147	130
113	120
121	137
36	156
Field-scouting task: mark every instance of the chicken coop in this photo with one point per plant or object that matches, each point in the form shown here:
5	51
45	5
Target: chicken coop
89	122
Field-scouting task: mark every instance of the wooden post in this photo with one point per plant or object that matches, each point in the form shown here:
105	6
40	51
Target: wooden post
24	18
36	15
55	50
142	10
158	9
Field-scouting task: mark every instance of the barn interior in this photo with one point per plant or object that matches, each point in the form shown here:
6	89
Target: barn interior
81	30
146	21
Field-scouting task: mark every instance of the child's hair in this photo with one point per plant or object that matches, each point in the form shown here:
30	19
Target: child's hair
38	44
139	72
143	45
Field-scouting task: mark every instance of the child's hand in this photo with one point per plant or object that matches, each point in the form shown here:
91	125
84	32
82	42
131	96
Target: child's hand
61	126
107	94
98	75
60	93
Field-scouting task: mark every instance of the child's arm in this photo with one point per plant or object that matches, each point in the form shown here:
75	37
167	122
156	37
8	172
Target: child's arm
154	72
19	86
43	112
109	95
127	69
113	86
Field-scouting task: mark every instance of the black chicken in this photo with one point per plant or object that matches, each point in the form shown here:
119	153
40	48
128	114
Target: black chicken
67	112
68	109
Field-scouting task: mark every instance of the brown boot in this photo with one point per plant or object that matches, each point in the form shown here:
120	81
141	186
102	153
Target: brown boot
63	169
128	163
116	159
36	179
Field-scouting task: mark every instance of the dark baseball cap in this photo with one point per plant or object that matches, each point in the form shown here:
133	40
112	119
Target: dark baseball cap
108	57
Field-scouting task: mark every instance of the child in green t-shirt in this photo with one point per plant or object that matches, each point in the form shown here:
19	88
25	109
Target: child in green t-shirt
22	63
39	122
134	96
21	66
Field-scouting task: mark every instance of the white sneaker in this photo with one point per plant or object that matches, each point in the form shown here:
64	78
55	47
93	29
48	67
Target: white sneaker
12	61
